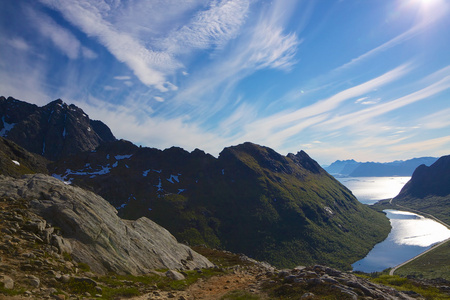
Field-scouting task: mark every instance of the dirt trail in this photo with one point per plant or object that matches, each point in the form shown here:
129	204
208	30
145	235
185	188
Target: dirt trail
212	288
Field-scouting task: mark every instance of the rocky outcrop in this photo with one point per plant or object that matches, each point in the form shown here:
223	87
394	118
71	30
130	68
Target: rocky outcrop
92	231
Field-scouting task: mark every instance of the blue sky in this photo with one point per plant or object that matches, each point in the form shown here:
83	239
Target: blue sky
362	79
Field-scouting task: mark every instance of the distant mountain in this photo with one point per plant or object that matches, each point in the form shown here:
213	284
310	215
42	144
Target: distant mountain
428	190
283	209
352	168
54	131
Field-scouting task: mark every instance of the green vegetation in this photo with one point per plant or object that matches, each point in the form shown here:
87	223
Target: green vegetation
10	292
81	287
404	284
434	264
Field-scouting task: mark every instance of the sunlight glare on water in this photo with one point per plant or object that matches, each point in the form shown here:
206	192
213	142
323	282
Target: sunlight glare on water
414	230
369	190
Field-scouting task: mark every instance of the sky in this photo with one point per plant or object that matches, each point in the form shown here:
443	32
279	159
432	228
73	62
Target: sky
353	79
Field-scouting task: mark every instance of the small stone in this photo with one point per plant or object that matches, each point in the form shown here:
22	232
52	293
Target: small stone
174	275
8	282
65	278
307	295
34	281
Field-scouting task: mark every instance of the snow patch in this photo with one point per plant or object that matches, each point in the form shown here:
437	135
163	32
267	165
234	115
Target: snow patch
119	157
172	178
107	156
159	186
115	164
181	190
145	173
63	179
223	171
16	162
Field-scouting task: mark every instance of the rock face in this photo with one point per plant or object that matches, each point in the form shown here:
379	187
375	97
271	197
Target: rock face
93	232
53	131
282	209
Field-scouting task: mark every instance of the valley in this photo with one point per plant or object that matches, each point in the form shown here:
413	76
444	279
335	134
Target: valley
109	209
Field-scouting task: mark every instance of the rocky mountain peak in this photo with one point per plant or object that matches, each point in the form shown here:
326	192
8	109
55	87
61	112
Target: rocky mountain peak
55	130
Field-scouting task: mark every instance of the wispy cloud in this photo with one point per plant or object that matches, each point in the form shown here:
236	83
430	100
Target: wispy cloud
424	146
62	38
369	113
290	123
19	44
436	120
134	124
153	57
212	27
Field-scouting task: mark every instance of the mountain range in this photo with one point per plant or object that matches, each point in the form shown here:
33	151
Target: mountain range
352	168
285	210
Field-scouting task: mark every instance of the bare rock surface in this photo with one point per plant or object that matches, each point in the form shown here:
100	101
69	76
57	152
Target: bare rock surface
94	234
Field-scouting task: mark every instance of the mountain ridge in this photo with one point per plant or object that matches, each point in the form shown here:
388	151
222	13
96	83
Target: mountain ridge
352	168
54	130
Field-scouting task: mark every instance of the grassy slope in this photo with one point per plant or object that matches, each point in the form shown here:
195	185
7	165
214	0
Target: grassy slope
434	264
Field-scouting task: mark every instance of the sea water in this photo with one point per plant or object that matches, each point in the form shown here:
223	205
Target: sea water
369	190
411	233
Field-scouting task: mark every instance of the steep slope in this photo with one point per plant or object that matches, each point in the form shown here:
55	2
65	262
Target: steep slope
16	161
283	209
53	131
93	232
429	190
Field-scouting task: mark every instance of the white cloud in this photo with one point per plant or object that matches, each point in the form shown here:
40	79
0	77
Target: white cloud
122	77
146	64
212	27
369	113
159	99
436	120
425	145
19	44
149	54
88	53
129	122
62	38
288	123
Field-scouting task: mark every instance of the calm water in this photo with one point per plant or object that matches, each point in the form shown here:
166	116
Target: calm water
411	234
369	190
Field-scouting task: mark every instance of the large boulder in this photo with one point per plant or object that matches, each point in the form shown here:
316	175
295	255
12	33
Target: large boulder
97	235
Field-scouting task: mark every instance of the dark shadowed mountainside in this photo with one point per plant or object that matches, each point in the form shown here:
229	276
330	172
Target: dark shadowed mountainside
16	161
429	190
283	209
54	131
